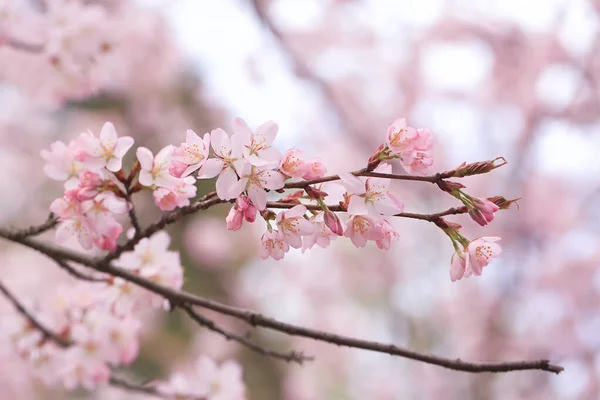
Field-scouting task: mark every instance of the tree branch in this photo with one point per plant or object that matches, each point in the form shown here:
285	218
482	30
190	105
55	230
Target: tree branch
182	298
364	172
48	334
293	356
34	230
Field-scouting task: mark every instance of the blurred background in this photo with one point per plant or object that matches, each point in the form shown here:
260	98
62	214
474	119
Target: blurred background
517	79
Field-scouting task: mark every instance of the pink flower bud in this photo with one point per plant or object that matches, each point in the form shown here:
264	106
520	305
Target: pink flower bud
484	211
333	222
477	168
250	213
235	218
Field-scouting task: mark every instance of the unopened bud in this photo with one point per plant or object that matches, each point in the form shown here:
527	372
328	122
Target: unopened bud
504	203
315	193
292	198
268	214
449	186
444	224
481	167
333	222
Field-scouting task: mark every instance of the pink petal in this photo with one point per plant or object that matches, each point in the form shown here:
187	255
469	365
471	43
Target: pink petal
225	181
268	130
211	168
145	157
352	183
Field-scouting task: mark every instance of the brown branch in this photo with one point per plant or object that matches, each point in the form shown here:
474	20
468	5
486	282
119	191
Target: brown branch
76	274
203	203
141	388
182	298
48	334
293	356
24	46
364	172
50	223
336	208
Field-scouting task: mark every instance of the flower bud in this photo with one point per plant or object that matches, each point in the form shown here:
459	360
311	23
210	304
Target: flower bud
504	203
481	167
333	222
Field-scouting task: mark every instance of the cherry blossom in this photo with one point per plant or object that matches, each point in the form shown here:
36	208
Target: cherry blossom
190	155
315	168
61	164
273	244
481	251
105	151
361	228
482	211
389	235
292	225
292	164
254	180
401	138
155	170
256	146
321	236
241	209
228	154
178	196
371	196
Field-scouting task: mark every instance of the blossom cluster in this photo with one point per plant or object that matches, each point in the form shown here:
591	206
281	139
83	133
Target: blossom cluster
248	169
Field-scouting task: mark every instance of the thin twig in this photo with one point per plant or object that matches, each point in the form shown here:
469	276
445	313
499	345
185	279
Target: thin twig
50	223
364	172
75	273
293	356
48	334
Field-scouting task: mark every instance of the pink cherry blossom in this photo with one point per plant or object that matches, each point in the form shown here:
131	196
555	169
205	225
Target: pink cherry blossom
273	245
60	162
242	209
400	137
228	151
315	169
361	228
292	225
481	252
483	211
417	162
178	196
106	151
256	146
458	267
190	155
321	236
292	164
254	180
155	170
371	196
389	235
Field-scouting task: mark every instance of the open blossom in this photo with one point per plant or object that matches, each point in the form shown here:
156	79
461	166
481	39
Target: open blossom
256	146
178	196
389	235
401	137
293	165
191	155
254	180
292	225
273	244
61	164
322	235
417	162
483	211
315	168
241	209
155	170
105	151
228	154
371	196
361	228
480	253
